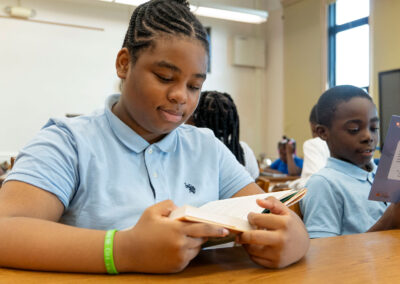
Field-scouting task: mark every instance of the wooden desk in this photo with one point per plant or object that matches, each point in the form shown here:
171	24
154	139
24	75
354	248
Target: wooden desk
282	179
362	258
277	180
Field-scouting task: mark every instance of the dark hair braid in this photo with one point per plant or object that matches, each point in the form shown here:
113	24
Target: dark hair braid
158	18
328	102
218	112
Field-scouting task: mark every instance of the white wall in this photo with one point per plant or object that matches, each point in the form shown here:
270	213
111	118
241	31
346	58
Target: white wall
49	70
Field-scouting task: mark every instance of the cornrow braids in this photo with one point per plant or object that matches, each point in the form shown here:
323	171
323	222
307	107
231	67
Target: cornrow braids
328	102
218	112
158	18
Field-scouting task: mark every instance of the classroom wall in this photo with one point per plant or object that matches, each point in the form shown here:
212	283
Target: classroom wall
304	65
50	70
385	40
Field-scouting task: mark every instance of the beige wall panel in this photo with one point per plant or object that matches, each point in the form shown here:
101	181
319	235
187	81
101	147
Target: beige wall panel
304	74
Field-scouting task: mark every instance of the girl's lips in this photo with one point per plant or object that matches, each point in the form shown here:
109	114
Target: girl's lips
171	116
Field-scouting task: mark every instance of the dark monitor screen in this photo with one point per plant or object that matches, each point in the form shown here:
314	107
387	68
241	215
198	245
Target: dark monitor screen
389	99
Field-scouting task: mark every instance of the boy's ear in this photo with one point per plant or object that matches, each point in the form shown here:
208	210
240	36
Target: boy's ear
322	131
122	63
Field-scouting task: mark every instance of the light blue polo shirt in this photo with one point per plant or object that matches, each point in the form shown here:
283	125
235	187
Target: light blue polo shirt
106	175
337	202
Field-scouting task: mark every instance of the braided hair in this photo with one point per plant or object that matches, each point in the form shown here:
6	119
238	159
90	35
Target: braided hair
218	112
328	102
160	18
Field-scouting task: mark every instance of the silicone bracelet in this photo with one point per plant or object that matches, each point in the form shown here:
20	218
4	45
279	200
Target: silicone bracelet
108	252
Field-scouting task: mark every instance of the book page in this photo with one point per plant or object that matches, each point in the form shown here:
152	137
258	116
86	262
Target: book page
386	185
240	206
394	172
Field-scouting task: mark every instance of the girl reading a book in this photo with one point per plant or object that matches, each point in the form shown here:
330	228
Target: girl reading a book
59	209
337	199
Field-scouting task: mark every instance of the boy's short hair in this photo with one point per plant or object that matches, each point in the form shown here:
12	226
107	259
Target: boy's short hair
313	115
329	100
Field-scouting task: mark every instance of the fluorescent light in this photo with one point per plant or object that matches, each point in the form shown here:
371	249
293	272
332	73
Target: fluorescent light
127	2
232	14
215	11
131	2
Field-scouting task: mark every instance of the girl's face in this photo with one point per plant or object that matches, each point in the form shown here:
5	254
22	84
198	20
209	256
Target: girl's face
161	90
354	132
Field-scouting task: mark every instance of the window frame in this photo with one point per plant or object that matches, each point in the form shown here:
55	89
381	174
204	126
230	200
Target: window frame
333	30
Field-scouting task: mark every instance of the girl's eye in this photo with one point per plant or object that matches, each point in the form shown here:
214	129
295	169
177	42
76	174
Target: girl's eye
194	88
374	129
163	78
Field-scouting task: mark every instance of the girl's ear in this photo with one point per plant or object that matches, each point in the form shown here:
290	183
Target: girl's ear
122	63
322	131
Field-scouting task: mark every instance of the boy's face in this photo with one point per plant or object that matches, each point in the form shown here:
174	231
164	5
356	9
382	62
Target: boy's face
354	132
161	90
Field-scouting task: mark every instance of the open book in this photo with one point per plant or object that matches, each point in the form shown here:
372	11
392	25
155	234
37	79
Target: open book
232	213
386	185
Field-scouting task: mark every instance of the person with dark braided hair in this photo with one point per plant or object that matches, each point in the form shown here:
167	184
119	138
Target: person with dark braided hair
218	112
60	210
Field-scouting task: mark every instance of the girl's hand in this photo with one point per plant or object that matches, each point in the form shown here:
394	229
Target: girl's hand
158	244
280	238
289	149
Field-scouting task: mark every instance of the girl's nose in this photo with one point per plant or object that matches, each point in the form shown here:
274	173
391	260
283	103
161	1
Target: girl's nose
178	94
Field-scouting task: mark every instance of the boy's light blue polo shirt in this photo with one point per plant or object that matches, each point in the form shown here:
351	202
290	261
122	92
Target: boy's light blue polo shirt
106	175
337	202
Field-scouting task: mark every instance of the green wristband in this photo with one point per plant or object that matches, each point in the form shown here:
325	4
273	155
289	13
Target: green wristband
108	252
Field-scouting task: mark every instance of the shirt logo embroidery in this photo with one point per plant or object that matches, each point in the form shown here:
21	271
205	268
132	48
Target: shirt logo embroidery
190	187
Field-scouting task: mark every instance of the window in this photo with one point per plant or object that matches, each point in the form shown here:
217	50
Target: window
348	43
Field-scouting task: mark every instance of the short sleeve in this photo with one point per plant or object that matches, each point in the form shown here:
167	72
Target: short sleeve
49	162
233	176
314	158
251	164
322	210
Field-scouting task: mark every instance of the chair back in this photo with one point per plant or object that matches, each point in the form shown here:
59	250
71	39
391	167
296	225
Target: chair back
296	209
263	182
12	160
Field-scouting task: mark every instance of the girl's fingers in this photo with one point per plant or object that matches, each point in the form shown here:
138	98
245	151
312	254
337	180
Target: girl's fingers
273	205
261	237
269	221
201	230
163	208
194	243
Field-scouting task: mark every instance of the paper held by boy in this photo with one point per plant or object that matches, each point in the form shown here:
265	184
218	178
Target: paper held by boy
386	185
232	213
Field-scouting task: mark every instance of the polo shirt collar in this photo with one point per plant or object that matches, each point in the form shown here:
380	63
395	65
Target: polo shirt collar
129	137
350	169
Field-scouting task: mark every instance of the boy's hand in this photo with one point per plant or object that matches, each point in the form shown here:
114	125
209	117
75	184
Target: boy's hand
158	244
280	238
